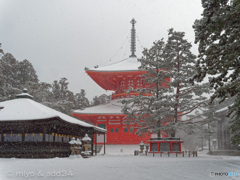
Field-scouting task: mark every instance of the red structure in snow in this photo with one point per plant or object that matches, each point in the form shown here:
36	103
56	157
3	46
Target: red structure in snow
118	77
160	145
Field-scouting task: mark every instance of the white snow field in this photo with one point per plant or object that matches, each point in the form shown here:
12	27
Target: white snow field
120	164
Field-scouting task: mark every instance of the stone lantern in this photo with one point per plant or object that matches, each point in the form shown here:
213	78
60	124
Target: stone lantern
147	147
78	146
141	147
87	146
214	143
73	144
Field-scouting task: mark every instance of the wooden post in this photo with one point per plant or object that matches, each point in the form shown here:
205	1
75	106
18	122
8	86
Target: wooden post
96	144
168	154
104	143
183	154
176	154
23	136
153	153
2	137
180	146
189	153
92	137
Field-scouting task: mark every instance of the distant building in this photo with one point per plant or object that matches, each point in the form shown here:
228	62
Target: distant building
223	127
31	130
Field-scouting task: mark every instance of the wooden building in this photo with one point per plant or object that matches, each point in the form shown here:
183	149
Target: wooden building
31	130
223	128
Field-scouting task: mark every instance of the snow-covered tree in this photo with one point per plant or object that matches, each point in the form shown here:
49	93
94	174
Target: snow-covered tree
26	73
172	99
96	101
9	67
218	35
1	51
81	101
41	91
149	113
8	77
63	99
186	97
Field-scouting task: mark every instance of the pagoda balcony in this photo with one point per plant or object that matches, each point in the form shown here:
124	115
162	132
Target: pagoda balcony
127	95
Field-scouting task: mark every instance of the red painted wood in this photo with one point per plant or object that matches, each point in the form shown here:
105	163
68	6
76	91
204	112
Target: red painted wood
120	137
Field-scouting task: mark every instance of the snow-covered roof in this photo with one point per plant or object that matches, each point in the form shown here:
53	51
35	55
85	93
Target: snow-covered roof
24	95
114	107
129	64
22	109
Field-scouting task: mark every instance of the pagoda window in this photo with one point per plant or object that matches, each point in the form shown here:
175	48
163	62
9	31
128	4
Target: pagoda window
125	130
112	130
116	130
130	83
139	83
102	126
48	137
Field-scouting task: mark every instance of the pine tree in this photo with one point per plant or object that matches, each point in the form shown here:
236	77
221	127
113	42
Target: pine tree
96	101
81	101
1	51
63	99
186	97
26	73
218	35
172	99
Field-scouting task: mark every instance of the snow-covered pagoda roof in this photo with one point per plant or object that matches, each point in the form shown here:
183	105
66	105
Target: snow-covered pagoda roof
108	76
128	64
114	107
23	109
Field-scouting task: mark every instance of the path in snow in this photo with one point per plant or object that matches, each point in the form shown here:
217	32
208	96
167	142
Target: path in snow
120	166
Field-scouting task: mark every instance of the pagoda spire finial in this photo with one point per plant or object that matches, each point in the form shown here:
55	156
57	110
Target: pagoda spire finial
133	38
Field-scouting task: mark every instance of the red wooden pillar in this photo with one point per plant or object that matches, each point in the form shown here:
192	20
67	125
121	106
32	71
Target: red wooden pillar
171	146
180	146
159	146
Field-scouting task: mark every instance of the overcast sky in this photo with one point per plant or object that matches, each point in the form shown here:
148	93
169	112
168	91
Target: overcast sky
62	37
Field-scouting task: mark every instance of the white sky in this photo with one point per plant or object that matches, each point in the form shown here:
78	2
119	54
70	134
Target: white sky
62	37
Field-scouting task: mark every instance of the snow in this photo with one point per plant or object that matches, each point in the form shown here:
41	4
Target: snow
86	138
224	109
27	109
113	107
120	165
129	64
24	95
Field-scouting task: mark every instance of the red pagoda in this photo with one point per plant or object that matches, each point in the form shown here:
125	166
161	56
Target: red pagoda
118	77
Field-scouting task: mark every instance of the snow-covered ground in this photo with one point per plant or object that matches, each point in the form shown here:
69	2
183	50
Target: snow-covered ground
118	164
